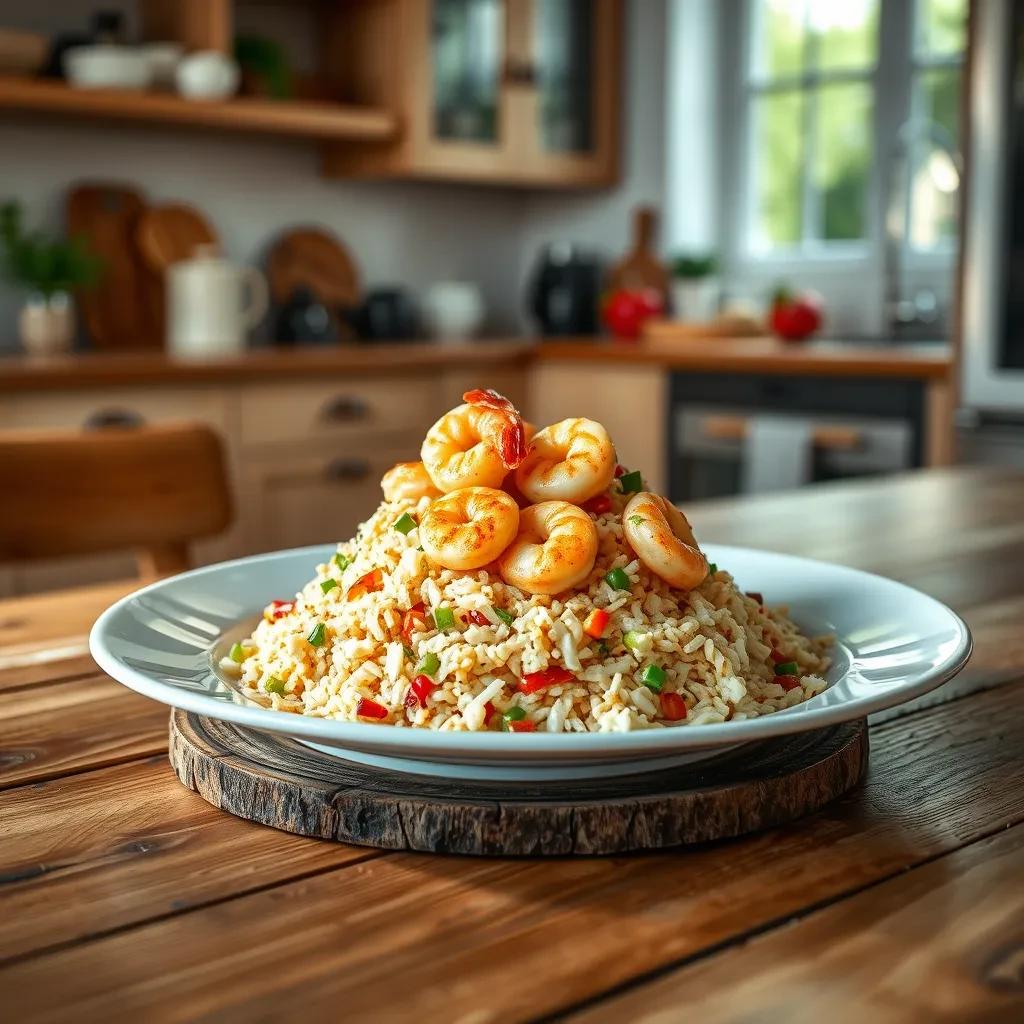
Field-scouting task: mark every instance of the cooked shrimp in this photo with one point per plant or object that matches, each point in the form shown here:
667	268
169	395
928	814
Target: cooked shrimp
468	528
568	461
663	540
554	550
408	480
476	444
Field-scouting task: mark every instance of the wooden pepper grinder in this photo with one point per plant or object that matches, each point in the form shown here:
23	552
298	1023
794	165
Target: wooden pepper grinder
640	268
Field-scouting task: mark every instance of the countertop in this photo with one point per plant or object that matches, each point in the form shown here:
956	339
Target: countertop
899	902
732	355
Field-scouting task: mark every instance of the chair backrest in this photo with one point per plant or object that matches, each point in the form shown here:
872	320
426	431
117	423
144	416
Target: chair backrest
151	489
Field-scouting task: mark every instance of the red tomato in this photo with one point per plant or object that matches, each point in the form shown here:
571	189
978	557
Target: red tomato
673	707
415	619
488	713
794	317
523	726
598	505
367	708
478	618
534	681
625	310
788	682
277	609
423	687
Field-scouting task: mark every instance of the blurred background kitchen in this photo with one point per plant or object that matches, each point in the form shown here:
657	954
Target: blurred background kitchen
767	242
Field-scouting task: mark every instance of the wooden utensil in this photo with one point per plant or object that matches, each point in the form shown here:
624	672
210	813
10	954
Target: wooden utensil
641	268
171	232
315	259
118	313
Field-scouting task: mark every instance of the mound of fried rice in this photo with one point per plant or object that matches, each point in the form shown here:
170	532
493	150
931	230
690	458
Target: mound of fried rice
716	646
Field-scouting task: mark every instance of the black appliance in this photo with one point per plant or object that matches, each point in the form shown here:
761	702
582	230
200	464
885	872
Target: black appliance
565	291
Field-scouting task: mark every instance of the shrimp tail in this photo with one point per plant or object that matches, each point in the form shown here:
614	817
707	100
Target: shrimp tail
510	441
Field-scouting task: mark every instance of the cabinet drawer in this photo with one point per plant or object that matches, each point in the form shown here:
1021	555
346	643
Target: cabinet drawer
310	500
76	409
319	412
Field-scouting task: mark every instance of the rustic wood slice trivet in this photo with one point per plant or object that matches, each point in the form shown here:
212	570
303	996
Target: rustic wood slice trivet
277	781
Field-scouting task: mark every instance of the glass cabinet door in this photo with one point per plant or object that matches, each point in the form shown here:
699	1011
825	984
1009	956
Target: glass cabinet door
467	44
563	34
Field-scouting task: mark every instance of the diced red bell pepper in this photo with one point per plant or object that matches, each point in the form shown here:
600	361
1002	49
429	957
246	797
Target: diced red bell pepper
277	609
534	681
673	707
777	656
478	618
788	682
367	708
414	620
423	686
367	584
597	623
410	699
598	505
620	470
488	713
524	726
756	595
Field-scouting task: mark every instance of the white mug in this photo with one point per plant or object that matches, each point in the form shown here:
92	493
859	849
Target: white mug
212	304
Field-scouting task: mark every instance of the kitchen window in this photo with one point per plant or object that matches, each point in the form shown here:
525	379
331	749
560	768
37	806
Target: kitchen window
832	91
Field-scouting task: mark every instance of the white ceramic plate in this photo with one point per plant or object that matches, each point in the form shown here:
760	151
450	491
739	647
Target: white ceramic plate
893	643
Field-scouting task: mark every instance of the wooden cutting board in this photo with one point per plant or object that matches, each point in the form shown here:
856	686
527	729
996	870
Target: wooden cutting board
641	268
171	232
314	259
119	313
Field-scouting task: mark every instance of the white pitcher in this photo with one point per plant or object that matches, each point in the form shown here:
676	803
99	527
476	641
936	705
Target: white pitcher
212	304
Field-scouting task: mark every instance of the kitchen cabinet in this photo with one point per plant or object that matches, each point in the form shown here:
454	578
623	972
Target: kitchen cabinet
520	92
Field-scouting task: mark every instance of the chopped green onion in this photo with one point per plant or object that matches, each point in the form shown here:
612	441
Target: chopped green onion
444	618
631	482
632	639
409	652
328	585
342	561
429	665
636	520
712	568
237	653
602	646
507	617
405	522
653	678
787	668
275	685
514	714
617	579
319	634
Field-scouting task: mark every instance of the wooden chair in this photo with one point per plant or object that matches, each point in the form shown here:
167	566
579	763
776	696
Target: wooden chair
151	489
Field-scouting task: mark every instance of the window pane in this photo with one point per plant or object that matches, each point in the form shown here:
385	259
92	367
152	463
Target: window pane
562	34
778	38
777	165
934	178
846	33
843	159
941	26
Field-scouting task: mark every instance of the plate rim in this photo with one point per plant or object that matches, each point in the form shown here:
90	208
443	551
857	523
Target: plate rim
613	745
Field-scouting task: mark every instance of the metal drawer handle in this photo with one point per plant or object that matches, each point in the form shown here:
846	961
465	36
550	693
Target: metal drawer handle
113	419
832	437
347	469
345	409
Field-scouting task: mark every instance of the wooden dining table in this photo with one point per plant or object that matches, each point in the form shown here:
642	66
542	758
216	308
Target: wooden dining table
125	896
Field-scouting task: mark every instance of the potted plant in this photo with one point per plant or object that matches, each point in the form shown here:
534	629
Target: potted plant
49	269
695	287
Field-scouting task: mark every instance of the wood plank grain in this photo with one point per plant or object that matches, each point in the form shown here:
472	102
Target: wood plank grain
75	725
943	942
462	935
43	669
103	850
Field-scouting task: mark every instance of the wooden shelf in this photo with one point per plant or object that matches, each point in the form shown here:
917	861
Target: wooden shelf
303	119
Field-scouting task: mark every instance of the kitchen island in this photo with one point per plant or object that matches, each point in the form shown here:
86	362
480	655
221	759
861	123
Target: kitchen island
899	902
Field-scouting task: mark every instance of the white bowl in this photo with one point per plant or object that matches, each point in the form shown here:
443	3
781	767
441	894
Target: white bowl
893	644
206	75
107	67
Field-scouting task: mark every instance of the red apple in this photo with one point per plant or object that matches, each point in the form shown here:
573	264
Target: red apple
794	317
625	310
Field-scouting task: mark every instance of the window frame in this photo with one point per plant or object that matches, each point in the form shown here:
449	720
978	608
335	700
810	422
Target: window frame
892	76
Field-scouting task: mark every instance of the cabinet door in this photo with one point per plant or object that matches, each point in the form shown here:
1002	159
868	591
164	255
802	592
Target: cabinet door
571	116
